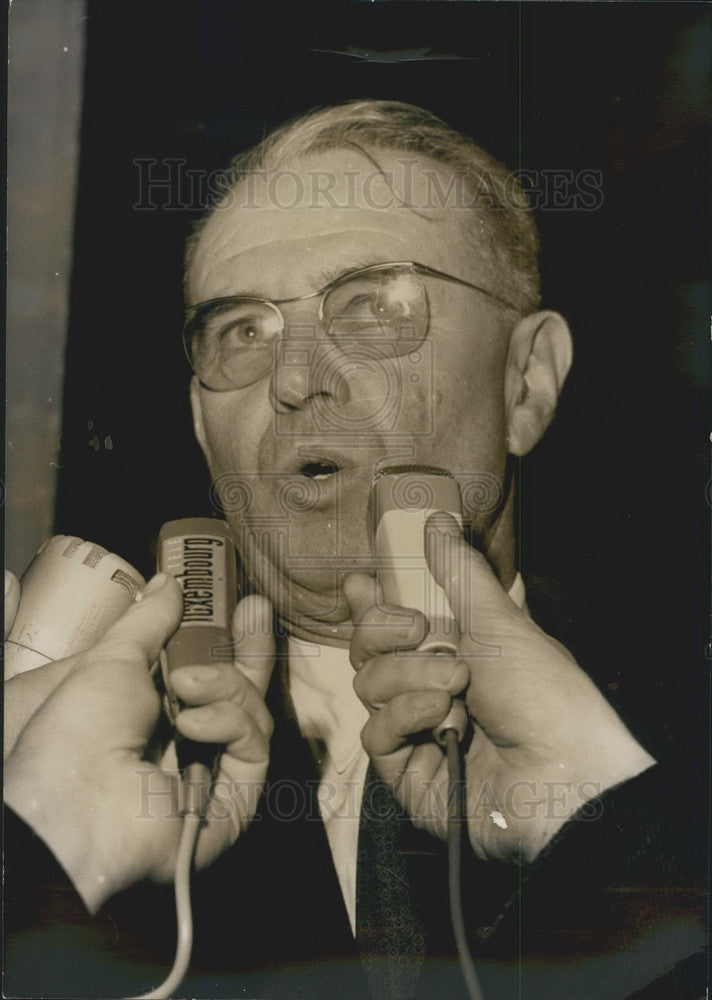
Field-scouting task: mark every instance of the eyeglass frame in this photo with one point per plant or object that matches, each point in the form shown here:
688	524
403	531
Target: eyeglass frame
422	269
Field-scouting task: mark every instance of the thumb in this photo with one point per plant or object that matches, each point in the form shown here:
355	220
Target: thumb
253	640
110	676
467	578
362	591
151	620
148	624
25	692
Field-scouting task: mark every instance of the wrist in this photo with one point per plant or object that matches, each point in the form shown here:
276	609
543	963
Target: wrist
587	774
52	809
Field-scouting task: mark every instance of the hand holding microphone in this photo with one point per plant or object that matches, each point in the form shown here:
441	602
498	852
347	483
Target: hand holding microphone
77	770
537	718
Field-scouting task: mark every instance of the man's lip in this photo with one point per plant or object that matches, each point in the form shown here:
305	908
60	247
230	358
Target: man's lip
319	469
332	462
306	494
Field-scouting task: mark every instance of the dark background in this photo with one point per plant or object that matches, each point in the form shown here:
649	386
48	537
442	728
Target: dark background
614	503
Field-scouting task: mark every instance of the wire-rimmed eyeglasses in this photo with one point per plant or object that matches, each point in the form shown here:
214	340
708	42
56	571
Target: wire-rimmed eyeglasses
382	308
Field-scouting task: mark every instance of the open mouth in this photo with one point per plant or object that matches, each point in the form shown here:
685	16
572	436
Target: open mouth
318	469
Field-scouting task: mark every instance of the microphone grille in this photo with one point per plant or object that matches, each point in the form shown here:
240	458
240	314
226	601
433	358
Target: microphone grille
422	470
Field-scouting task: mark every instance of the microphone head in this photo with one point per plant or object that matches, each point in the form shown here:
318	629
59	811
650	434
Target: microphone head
403	470
72	592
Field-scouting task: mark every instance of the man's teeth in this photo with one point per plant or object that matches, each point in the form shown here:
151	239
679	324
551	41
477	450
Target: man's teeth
319	470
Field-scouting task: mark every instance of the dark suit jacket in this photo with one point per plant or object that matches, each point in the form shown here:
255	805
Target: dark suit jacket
614	906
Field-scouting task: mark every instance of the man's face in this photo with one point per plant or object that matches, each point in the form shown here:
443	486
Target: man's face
293	455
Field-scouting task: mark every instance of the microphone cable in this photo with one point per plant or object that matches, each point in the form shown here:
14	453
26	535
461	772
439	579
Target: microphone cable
196	782
454	850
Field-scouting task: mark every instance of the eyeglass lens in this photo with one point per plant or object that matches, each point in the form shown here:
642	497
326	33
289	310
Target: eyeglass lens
231	344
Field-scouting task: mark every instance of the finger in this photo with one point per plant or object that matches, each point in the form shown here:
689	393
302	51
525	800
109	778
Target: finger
385	677
380	627
106	697
385	629
203	685
400	719
253	639
114	674
471	587
26	692
361	590
143	630
12	599
224	722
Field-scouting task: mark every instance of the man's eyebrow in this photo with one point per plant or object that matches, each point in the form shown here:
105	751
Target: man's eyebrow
319	279
325	277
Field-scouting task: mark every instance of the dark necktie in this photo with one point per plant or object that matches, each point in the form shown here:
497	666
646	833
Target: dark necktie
389	930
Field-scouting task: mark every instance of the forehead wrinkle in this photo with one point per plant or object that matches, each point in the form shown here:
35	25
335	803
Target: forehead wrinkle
219	252
374	162
315	269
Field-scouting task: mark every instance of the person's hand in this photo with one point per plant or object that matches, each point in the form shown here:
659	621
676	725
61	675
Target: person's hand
76	770
544	739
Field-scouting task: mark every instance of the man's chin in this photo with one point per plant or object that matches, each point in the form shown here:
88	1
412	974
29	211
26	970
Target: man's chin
310	606
316	616
320	632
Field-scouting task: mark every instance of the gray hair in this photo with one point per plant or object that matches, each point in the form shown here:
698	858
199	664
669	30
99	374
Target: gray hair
499	213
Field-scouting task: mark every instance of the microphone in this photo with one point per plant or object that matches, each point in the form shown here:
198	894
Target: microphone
402	498
72	592
200	554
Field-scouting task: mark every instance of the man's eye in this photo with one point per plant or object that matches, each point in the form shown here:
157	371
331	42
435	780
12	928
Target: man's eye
243	333
365	304
388	303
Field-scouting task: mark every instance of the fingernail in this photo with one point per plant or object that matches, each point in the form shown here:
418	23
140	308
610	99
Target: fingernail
444	523
154	584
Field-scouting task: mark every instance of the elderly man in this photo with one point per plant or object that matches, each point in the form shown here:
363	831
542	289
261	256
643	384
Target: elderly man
363	294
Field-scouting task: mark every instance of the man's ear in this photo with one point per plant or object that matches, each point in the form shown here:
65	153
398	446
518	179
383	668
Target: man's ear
540	353
198	426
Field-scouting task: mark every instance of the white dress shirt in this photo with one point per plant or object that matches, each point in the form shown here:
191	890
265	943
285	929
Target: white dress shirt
330	713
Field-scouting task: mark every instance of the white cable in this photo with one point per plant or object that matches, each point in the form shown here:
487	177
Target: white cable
184	861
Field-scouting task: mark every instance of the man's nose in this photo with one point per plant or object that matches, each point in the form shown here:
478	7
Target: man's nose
307	368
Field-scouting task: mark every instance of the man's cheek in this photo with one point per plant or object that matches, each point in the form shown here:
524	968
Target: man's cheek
234	424
236	490
375	393
403	401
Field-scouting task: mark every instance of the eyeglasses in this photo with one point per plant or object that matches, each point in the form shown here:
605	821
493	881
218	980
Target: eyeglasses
382	309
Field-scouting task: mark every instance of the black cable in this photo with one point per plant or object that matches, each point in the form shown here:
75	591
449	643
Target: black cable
454	838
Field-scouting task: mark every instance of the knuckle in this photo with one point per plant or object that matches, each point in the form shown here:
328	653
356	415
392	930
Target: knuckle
357	655
361	684
249	744
368	618
239	690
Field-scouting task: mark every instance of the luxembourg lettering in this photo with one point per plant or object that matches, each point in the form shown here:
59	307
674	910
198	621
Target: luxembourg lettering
200	572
